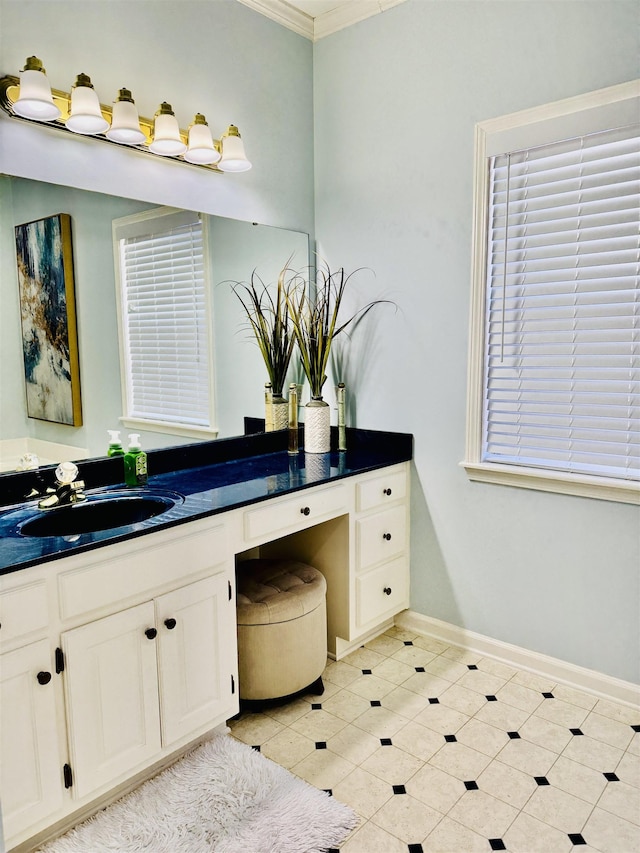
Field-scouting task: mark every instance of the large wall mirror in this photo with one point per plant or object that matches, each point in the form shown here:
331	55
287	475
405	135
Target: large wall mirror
235	249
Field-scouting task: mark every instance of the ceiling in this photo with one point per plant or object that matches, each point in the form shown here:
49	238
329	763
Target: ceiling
315	19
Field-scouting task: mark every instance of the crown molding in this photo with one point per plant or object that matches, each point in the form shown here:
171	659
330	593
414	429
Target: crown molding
284	14
322	25
350	13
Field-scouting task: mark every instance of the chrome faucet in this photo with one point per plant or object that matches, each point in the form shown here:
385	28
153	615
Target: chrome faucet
67	489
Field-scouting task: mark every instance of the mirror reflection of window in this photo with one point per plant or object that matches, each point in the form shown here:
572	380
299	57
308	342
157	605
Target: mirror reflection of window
164	321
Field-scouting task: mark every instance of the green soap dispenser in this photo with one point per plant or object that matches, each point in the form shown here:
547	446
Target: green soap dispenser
115	445
135	462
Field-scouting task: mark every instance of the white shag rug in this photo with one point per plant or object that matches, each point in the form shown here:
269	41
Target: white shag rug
223	797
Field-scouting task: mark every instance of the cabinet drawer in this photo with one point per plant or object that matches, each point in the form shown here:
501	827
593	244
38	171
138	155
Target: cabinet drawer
154	564
382	592
23	611
378	491
305	509
381	536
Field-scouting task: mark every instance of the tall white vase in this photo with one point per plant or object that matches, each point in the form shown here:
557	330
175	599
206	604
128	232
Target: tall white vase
317	426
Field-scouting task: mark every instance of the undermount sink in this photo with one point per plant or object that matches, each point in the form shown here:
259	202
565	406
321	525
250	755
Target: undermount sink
98	513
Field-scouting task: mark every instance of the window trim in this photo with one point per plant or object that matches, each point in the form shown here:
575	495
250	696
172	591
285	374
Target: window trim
623	98
127	223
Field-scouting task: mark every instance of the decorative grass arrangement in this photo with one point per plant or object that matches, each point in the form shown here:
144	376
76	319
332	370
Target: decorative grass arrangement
314	313
270	323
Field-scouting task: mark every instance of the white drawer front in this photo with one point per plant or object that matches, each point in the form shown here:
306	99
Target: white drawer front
382	592
381	536
276	518
23	611
108	583
388	487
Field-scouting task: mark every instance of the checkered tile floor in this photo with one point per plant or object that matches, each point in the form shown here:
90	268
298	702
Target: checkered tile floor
438	749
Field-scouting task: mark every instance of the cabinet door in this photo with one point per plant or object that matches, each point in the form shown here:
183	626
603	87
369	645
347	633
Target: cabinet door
196	656
31	771
112	697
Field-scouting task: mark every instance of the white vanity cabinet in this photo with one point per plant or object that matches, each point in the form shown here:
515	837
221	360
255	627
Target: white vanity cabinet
381	526
31	786
144	679
356	532
116	659
129	656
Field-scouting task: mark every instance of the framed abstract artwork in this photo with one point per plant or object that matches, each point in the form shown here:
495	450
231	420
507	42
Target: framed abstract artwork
48	318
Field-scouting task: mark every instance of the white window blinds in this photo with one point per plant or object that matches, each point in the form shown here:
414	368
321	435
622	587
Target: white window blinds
562	332
165	320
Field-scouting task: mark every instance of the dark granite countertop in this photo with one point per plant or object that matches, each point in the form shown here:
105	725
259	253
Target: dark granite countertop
210	478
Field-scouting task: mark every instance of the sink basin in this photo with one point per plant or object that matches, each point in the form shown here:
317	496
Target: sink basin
97	513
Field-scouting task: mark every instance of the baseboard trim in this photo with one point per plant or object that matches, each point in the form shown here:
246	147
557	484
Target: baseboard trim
597	683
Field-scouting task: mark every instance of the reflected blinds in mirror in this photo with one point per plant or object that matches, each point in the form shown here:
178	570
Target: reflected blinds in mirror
562	343
164	320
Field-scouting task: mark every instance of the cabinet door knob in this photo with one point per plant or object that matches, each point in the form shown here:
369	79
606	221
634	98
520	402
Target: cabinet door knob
43	677
170	623
305	510
387	590
150	633
386	491
386	536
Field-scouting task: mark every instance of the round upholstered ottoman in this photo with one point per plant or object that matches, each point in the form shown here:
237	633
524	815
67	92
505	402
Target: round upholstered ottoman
282	629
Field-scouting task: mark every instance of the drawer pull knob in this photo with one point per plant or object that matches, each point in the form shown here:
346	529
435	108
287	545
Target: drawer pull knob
387	491
170	623
305	510
387	590
150	633
386	536
43	677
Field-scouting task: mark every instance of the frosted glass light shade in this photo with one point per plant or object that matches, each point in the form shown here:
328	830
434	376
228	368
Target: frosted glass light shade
201	148
166	134
125	124
233	157
86	116
35	99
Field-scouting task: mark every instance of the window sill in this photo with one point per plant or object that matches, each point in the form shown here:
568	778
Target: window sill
601	488
203	433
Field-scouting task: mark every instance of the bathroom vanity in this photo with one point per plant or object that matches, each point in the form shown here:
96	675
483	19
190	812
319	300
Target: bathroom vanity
118	646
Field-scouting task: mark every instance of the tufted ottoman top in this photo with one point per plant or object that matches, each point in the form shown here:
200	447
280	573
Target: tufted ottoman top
271	591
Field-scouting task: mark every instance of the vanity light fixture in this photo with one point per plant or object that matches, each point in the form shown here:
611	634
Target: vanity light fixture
30	96
201	146
86	116
35	100
166	134
233	157
125	124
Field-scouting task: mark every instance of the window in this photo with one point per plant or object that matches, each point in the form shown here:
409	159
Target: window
554	375
164	322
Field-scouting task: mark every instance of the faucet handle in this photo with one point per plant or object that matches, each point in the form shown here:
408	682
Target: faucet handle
66	473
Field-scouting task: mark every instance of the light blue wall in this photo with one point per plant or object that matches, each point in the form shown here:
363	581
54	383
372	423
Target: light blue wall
396	99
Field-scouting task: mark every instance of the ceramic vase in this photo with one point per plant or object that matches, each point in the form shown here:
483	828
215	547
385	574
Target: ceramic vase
317	426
